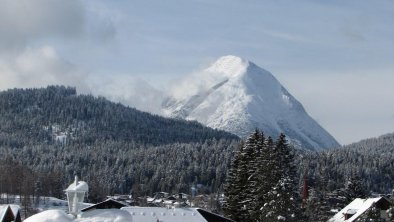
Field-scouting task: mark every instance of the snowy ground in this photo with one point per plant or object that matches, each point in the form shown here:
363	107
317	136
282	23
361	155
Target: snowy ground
45	203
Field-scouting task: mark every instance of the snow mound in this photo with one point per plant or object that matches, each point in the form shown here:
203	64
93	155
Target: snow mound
50	216
236	95
105	215
80	186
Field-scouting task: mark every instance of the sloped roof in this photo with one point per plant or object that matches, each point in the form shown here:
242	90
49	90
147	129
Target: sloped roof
356	207
163	214
107	204
128	214
3	211
13	207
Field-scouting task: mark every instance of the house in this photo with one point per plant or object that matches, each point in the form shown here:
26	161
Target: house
163	214
107	204
128	199
359	207
10	213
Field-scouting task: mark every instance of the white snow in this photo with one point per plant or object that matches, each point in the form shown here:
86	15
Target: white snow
236	95
3	209
107	215
162	214
81	186
50	216
126	214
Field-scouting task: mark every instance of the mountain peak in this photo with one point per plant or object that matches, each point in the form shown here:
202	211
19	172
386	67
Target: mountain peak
229	65
238	96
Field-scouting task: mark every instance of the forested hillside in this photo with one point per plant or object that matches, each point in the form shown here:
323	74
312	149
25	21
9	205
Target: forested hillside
372	160
335	177
54	131
46	135
31	116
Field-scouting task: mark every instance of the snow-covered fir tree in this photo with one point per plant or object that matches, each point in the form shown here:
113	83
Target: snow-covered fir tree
354	188
234	189
266	172
238	190
282	202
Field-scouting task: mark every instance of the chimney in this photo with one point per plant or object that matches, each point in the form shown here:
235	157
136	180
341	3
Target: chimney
76	180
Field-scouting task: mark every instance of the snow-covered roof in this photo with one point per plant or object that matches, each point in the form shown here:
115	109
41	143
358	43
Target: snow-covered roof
107	215
356	207
163	214
130	214
79	186
3	209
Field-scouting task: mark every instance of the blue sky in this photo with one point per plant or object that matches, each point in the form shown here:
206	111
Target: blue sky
336	57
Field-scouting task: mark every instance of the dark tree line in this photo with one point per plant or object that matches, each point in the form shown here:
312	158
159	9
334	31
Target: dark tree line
113	167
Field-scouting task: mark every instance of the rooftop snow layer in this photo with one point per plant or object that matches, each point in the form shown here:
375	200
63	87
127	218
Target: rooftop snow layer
142	214
107	215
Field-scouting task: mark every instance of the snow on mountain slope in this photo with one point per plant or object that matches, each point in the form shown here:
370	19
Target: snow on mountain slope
236	95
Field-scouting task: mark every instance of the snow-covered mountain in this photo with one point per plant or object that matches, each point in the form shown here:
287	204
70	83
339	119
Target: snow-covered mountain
236	95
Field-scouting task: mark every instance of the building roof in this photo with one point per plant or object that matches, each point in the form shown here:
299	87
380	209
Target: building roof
98	215
127	214
107	204
356	208
163	214
12	207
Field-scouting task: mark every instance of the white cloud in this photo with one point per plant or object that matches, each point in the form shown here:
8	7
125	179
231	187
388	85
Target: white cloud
127	90
37	68
24	21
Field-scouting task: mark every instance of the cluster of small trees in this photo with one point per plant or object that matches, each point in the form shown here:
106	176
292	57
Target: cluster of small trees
21	185
261	183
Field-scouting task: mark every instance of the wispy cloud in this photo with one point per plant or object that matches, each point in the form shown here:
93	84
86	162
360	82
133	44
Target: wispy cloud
39	67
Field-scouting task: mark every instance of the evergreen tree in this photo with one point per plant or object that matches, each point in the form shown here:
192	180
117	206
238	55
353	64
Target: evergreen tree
282	202
250	162
241	180
233	189
261	182
354	188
